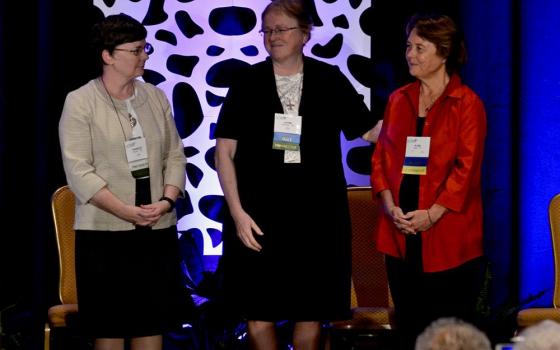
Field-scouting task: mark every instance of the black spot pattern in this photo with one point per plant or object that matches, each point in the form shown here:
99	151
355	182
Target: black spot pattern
213	207
366	21
209	157
341	22
329	50
166	36
250	50
191	151
313	12
109	3
182	65
214	100
194	174
361	69
355	3
232	20
221	74
183	206
214	50
215	236
188	112
211	134
153	77
156	14
186	25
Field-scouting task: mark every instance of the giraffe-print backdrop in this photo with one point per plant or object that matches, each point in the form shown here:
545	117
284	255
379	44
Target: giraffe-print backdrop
198	44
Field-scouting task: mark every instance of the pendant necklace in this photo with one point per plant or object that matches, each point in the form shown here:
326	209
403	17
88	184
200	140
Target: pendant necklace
131	120
432	100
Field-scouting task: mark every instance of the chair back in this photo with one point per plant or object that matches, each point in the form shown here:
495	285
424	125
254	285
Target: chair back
63	207
554	218
533	315
369	277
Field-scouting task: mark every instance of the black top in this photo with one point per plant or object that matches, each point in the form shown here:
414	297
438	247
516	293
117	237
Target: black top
303	271
408	201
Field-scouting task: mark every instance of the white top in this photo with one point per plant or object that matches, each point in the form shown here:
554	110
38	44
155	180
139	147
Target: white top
289	90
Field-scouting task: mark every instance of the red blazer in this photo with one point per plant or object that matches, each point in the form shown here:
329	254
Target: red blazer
457	126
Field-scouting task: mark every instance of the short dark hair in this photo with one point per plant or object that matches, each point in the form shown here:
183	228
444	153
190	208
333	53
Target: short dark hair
293	8
115	30
442	31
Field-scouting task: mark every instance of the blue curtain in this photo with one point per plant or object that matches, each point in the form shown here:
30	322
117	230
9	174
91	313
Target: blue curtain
539	143
488	32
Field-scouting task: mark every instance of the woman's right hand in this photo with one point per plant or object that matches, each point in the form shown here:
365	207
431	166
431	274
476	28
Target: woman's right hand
246	230
107	201
145	215
401	221
244	224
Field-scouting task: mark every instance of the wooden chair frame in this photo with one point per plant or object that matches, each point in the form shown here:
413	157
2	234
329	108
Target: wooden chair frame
371	302
530	316
62	207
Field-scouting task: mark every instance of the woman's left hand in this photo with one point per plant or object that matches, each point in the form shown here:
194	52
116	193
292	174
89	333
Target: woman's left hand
423	219
154	211
420	220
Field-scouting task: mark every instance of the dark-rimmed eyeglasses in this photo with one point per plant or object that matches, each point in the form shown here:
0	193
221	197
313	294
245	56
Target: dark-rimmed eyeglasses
148	49
277	31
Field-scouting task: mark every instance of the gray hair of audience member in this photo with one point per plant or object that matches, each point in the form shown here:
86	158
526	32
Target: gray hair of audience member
452	334
544	335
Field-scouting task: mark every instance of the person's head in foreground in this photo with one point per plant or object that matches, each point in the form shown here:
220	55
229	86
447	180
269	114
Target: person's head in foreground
452	334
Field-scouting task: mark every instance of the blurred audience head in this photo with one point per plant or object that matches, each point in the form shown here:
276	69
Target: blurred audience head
452	334
544	335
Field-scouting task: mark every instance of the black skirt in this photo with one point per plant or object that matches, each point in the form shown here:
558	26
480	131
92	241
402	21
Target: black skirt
130	283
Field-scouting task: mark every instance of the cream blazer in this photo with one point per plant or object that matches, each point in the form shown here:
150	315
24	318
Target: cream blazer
92	137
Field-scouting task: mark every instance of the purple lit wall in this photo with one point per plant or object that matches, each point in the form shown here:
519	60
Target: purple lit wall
198	44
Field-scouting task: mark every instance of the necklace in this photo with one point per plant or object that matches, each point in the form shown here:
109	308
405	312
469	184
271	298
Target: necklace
428	99
131	120
428	106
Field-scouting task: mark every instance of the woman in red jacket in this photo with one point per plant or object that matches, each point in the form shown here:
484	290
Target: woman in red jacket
426	170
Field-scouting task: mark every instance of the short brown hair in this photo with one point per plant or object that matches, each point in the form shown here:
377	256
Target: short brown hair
442	31
293	8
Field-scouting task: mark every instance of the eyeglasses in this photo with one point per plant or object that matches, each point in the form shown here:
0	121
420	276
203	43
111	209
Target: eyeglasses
148	49
277	31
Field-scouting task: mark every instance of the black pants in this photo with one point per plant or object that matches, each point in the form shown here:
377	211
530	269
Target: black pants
421	298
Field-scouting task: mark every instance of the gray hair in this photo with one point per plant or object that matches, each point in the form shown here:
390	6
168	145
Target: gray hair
544	335
452	334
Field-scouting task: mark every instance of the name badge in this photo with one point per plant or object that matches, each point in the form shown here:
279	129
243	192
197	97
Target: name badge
416	156
287	132
137	156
